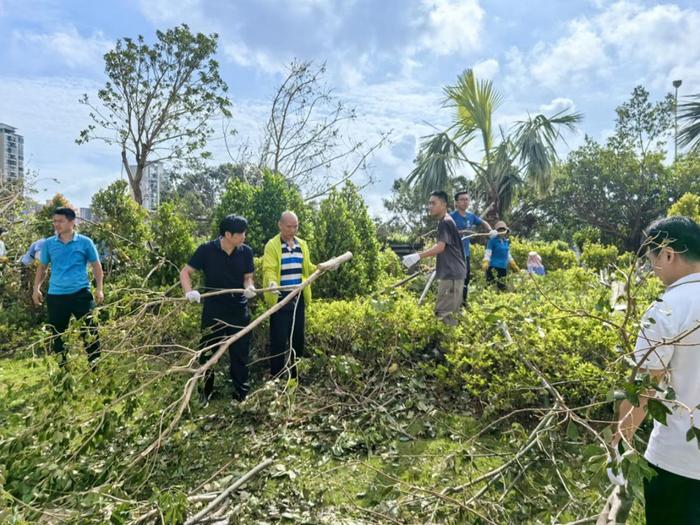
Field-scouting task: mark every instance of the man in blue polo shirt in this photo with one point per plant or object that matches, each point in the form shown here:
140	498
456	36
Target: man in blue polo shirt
226	263
69	295
466	223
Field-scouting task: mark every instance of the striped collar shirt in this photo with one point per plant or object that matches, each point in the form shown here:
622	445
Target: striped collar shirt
292	259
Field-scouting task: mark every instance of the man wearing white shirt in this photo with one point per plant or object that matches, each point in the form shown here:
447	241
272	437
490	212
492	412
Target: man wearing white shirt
668	348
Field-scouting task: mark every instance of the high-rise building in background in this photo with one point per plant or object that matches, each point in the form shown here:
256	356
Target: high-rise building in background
86	214
11	154
151	184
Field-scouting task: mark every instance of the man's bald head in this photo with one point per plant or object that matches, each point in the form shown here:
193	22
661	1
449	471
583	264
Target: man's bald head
288	225
288	215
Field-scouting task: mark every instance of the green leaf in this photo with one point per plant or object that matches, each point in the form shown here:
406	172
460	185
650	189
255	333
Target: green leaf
572	430
658	410
693	432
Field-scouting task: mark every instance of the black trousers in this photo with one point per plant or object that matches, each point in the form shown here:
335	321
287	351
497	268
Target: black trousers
217	326
497	275
61	308
465	293
286	325
671	499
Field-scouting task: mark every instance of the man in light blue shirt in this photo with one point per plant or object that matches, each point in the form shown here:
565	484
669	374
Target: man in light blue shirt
466	223
69	295
33	252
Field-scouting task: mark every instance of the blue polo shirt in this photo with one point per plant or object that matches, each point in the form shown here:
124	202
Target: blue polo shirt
69	262
500	252
468	222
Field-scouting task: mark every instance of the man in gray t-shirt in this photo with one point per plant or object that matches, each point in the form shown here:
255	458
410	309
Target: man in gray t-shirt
451	269
450	263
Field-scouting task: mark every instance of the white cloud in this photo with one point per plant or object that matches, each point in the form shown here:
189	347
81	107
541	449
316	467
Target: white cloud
174	12
453	26
579	51
73	49
647	44
487	69
47	113
243	55
558	104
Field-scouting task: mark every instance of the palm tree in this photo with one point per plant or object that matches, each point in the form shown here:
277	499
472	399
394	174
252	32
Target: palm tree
689	135
527	154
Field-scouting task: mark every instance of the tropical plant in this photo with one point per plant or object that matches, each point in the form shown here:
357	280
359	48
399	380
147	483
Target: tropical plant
689	135
526	154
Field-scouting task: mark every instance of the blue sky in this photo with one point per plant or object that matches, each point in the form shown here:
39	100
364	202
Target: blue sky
388	58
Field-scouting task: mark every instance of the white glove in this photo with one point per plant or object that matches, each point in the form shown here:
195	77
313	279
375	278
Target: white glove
410	259
249	291
193	296
493	234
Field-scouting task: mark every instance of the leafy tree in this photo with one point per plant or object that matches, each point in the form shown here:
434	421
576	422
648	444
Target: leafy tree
641	125
685	172
601	187
198	191
43	218
527	153
173	236
620	186
688	205
121	231
262	206
343	224
158	100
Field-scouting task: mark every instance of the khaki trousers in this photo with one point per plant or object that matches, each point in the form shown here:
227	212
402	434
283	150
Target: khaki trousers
449	300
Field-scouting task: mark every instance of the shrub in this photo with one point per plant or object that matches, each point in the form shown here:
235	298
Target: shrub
598	256
173	234
688	205
343	224
588	234
372	330
575	352
262	206
121	231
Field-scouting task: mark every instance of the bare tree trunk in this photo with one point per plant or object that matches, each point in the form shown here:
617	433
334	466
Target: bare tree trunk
134	178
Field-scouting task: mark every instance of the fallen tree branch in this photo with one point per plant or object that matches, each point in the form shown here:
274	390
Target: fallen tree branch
221	497
224	346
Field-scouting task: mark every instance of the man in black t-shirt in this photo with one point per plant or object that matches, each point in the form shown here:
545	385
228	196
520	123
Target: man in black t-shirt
226	263
450	268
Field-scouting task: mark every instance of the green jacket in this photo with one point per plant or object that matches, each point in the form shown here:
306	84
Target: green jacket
272	267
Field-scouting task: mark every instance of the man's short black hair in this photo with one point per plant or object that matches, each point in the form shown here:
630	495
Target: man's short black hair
679	233
440	195
233	224
68	213
462	192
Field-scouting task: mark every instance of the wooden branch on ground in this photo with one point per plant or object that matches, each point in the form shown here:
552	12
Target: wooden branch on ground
221	497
